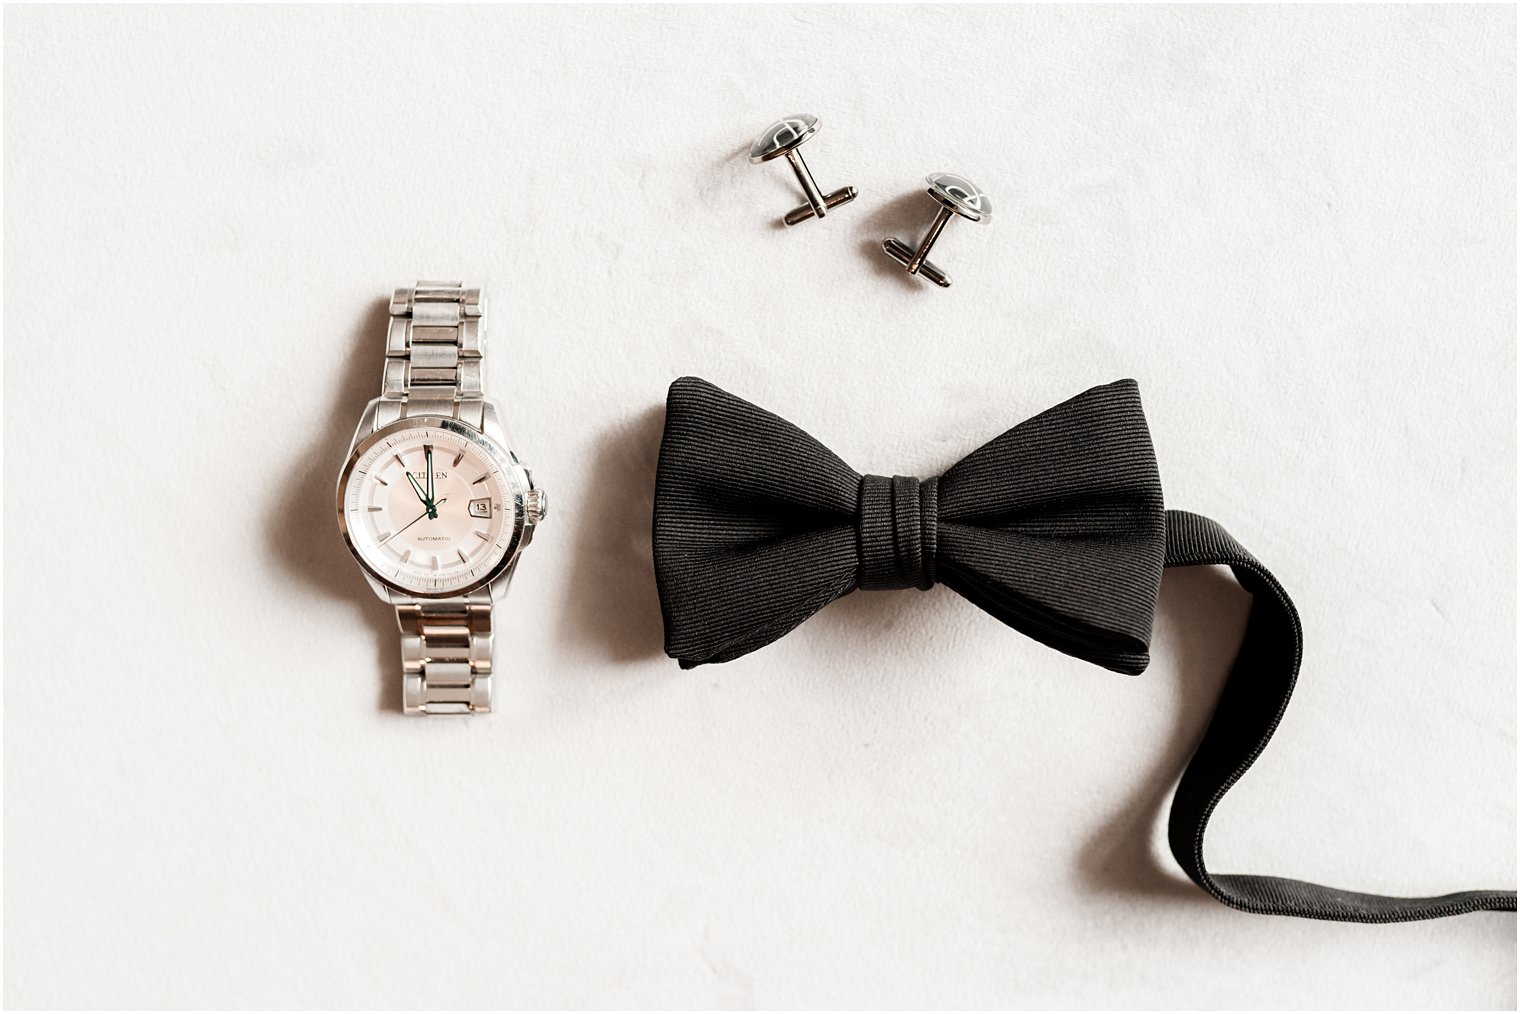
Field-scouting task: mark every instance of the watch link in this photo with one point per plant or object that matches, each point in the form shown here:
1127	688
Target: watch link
433	502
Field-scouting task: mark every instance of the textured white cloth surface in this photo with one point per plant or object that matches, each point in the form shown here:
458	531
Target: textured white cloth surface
1294	226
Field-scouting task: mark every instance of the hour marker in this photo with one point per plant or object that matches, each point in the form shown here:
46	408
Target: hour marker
480	480
484	536
373	509
458	460
381	481
386	535
398	460
462	557
407	555
435	563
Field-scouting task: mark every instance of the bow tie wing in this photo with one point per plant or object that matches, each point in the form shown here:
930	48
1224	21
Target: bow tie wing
1057	528
754	525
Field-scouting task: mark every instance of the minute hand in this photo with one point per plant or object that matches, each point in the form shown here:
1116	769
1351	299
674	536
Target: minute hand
431	510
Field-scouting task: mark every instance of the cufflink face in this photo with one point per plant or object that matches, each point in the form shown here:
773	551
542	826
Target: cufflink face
781	140
955	195
782	136
960	195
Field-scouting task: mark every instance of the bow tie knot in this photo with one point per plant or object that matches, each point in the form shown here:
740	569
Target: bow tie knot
899	531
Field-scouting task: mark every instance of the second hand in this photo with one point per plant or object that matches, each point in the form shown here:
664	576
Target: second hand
432	510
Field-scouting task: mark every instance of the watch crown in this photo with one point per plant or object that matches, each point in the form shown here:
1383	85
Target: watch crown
536	505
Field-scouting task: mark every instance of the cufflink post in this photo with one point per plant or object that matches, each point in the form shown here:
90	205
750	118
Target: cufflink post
782	139
956	196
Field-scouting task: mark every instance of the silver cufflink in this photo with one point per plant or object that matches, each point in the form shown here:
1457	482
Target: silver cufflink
784	137
956	196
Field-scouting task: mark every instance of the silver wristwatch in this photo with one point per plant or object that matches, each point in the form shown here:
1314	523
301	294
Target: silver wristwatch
433	502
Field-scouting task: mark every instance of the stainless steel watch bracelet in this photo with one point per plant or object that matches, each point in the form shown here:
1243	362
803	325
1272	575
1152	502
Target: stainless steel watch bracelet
446	647
433	350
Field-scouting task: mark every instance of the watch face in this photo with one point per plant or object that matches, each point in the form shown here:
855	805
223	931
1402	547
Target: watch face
430	506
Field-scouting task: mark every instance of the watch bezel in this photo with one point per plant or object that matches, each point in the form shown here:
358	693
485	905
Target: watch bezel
504	458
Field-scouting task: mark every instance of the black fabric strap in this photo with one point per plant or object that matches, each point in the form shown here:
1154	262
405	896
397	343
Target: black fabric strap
1253	701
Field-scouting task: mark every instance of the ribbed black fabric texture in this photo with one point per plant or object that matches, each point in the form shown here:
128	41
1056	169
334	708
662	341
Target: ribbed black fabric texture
758	526
1056	528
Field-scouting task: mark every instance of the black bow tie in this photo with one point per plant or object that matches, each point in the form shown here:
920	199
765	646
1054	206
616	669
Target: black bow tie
1056	528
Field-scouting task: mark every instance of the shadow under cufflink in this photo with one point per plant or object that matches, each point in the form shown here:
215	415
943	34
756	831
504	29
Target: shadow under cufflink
739	155
613	603
1201	617
303	530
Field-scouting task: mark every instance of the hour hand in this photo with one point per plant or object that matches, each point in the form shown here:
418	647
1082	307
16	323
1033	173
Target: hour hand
432	509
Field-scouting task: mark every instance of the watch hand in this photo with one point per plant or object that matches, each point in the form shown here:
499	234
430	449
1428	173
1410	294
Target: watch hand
417	488
427	451
432	511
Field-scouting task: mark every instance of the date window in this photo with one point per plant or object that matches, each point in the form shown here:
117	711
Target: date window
480	508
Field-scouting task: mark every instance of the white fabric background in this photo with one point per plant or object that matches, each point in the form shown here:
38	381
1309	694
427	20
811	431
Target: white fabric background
1295	227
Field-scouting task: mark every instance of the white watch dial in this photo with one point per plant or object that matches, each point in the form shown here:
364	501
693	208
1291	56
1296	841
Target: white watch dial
429	509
